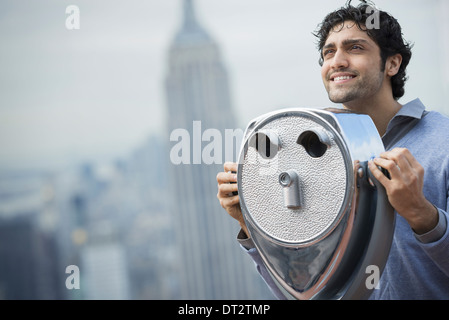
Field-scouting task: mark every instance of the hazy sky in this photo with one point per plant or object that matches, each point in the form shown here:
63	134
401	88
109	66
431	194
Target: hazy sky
67	95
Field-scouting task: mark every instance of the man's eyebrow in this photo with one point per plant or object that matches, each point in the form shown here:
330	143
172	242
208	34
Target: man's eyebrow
354	41
346	42
329	45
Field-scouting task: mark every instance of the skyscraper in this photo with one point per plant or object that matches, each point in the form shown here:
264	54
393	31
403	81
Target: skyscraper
211	265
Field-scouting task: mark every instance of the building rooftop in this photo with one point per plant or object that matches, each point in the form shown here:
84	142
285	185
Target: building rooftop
191	31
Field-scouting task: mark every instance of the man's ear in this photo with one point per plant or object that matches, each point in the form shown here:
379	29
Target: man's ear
393	64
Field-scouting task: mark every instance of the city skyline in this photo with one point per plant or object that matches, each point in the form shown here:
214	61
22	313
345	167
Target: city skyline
139	228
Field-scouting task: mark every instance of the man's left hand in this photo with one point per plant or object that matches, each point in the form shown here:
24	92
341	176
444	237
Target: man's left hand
405	188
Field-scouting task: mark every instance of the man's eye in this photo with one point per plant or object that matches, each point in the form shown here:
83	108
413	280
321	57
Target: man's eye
356	47
327	52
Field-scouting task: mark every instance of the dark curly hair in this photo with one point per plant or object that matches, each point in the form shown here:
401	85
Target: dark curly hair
387	35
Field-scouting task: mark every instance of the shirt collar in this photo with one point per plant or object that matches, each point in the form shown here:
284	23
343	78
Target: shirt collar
413	109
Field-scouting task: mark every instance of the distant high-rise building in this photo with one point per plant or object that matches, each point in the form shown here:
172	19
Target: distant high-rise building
211	264
105	272
30	266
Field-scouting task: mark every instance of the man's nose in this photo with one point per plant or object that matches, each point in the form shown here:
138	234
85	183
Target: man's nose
340	60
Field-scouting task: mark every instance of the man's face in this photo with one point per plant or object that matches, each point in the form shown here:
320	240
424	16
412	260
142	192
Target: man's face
351	70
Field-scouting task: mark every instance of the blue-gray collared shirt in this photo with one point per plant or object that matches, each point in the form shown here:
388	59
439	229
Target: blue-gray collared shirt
418	266
404	121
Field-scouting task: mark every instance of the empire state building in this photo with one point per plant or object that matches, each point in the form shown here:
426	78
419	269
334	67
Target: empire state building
211	264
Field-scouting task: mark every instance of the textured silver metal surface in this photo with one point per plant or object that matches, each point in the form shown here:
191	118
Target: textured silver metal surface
322	183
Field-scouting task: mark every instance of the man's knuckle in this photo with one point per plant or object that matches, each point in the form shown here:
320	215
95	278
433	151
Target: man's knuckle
390	165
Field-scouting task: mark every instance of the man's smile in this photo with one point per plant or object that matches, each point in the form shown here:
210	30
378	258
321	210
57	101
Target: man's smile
341	77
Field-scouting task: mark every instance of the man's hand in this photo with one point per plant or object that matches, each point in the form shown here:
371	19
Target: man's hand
227	183
404	189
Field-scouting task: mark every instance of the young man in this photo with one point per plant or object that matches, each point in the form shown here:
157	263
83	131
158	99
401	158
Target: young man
364	69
